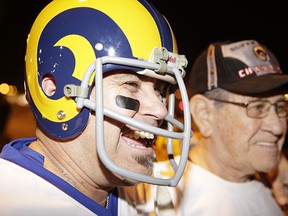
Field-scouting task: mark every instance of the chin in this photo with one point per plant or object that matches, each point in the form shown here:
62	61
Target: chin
129	182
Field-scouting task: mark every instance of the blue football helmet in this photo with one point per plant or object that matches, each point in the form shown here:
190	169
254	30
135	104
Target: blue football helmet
76	42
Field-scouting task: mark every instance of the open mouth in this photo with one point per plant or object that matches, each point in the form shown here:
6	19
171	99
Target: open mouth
140	139
140	134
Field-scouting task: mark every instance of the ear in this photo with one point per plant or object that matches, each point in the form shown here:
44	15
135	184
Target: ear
201	112
49	85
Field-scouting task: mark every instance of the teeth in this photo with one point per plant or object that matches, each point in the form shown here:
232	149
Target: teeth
140	134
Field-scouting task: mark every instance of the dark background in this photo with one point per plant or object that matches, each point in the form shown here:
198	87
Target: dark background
195	25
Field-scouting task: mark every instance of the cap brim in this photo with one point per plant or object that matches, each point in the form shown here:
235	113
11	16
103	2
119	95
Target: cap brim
259	85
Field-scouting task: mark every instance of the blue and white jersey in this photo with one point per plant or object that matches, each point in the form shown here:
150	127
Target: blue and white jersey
27	188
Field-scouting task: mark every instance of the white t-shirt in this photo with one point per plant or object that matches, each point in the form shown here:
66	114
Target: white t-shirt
205	194
202	193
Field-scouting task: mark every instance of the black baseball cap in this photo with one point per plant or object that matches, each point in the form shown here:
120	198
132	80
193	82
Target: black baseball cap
244	67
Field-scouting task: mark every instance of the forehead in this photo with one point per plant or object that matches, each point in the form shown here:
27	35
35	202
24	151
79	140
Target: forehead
273	97
125	75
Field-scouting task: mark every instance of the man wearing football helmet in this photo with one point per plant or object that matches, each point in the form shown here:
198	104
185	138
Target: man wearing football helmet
98	76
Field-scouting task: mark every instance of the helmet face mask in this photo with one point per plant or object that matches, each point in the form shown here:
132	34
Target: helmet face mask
75	42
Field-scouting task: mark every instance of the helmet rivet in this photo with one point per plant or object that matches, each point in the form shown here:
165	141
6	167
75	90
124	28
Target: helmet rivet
64	127
99	46
61	115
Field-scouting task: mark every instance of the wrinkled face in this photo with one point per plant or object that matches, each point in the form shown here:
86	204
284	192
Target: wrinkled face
246	144
138	97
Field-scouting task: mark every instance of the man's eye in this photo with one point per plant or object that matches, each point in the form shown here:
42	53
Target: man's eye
132	84
259	106
159	89
162	88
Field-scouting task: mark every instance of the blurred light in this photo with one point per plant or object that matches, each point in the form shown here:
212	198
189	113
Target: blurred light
21	100
180	105
8	90
177	94
12	90
4	88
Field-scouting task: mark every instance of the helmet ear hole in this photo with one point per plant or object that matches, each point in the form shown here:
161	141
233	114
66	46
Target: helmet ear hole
49	85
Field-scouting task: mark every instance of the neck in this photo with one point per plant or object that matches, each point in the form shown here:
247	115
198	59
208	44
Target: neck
58	162
216	165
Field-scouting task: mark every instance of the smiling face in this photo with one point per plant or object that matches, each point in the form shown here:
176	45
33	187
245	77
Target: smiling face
138	97
244	144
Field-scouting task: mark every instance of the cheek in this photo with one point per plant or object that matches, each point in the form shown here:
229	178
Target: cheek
111	133
234	128
284	125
